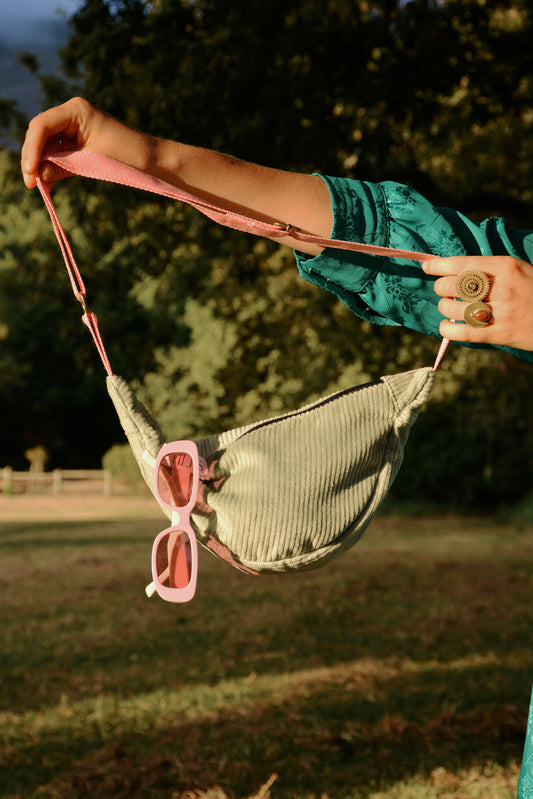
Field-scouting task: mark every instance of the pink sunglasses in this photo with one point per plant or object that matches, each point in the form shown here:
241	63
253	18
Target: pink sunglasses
175	550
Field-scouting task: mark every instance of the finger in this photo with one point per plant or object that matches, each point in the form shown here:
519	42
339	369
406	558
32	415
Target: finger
47	171
41	137
50	173
446	266
460	263
445	286
455	309
465	333
455	328
452	309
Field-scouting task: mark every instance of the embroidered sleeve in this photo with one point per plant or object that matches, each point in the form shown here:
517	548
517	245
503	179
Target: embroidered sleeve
392	291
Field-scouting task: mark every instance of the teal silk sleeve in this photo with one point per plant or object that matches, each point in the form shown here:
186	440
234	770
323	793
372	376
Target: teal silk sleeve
393	291
525	782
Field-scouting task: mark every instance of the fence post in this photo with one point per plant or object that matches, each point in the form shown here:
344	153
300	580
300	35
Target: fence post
57	482
108	483
7	479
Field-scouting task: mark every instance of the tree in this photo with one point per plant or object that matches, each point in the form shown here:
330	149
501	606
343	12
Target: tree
48	388
215	327
52	386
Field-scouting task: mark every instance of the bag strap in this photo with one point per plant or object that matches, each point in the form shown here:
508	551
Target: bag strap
101	167
89	319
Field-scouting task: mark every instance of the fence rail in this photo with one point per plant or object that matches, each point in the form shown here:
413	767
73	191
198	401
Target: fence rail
59	481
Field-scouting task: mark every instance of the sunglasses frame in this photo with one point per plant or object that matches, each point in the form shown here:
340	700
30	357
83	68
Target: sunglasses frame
180	522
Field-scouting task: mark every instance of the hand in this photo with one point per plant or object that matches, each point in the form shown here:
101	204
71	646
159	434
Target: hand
262	192
510	298
77	125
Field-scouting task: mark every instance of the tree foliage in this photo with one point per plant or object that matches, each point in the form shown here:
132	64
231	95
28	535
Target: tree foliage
216	328
49	385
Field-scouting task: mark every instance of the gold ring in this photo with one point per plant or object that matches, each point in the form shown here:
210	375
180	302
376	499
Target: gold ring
478	314
59	138
472	285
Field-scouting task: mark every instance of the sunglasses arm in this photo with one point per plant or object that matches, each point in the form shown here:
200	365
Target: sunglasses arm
149	459
150	590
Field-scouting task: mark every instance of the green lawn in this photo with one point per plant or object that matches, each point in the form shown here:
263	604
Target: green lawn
400	671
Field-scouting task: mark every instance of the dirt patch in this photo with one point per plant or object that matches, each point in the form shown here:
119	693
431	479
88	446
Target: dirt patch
77	507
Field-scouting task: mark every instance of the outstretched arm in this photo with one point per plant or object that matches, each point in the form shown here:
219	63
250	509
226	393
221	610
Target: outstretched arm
265	193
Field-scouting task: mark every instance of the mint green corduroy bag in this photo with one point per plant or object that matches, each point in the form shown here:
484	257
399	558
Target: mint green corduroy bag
286	493
294	491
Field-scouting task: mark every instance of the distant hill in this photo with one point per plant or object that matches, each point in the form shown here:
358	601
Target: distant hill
42	38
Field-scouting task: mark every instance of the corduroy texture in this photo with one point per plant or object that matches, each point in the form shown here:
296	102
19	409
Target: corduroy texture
294	491
142	431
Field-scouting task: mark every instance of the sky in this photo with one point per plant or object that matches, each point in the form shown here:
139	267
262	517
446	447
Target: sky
35	26
36	8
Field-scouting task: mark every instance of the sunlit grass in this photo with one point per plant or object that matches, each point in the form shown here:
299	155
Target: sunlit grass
400	671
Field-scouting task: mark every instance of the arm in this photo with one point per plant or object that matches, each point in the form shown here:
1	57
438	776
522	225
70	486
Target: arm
268	194
510	298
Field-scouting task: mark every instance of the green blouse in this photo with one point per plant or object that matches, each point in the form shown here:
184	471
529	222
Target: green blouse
393	291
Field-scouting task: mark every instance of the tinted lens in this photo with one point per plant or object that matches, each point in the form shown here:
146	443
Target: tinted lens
174	559
175	479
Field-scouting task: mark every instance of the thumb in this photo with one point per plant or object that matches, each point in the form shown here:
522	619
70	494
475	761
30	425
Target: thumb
49	172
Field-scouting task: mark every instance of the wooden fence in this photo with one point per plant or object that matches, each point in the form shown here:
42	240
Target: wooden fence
59	481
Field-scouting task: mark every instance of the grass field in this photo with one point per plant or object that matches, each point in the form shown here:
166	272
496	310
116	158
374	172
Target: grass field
400	671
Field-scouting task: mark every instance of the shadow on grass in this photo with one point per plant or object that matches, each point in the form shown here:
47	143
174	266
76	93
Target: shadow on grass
26	536
344	737
410	653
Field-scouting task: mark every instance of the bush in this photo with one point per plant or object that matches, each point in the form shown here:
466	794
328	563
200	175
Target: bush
120	461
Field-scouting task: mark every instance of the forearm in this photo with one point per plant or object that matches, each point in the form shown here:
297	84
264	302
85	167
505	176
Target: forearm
262	192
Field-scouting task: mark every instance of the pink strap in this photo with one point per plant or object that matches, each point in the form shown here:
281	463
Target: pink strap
78	287
93	165
100	167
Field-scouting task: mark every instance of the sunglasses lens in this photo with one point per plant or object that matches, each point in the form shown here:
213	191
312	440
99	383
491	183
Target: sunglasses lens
174	560
175	479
